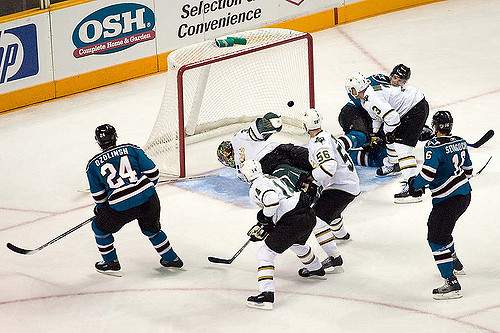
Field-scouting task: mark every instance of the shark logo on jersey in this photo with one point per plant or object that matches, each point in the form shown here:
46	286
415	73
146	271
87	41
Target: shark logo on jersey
113	29
18	53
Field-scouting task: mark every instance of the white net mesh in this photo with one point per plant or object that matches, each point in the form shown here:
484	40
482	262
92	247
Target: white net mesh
228	87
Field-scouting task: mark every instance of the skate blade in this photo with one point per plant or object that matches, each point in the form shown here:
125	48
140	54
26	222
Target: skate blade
111	273
315	277
261	306
450	295
392	174
340	240
460	272
407	200
334	270
172	269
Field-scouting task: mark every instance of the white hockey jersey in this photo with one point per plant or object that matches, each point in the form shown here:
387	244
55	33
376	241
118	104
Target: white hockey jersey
245	148
333	167
273	196
386	104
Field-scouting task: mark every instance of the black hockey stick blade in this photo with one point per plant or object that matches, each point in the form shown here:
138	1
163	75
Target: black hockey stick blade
19	250
228	261
484	166
16	249
488	135
220	260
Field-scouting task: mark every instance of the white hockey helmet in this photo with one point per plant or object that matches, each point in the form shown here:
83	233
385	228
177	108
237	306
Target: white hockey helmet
356	81
251	169
312	120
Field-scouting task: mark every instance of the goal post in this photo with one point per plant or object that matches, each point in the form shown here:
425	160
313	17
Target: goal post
211	91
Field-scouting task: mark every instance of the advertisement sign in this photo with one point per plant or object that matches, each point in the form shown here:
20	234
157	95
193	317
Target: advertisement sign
24	53
193	21
100	34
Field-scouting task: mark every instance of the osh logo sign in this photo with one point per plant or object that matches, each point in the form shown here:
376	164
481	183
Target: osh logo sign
295	2
18	53
113	29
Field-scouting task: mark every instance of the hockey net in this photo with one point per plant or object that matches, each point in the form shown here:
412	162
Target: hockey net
211	91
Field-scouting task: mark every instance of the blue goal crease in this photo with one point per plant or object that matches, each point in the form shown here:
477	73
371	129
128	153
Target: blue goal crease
228	187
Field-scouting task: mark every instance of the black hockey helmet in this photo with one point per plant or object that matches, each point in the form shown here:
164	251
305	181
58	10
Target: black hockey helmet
402	72
443	121
105	136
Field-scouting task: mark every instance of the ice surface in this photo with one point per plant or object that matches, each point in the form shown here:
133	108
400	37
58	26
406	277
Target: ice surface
452	48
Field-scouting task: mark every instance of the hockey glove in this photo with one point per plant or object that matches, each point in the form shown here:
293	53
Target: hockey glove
426	134
305	179
374	143
390	137
264	225
413	191
257	233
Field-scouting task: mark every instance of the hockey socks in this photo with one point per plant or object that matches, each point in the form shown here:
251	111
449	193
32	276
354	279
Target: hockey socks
443	257
105	242
161	244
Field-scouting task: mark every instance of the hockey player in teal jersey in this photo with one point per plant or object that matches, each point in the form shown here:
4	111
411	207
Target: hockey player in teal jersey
447	168
122	182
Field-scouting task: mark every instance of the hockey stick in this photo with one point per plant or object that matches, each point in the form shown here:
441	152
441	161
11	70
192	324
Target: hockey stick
29	252
484	166
186	178
488	135
172	180
228	261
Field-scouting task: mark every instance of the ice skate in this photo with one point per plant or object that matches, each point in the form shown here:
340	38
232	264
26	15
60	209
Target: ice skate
177	263
319	273
388	169
345	238
458	268
262	301
109	267
404	196
333	265
450	290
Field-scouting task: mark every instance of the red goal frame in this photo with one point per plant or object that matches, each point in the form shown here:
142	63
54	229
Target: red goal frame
184	68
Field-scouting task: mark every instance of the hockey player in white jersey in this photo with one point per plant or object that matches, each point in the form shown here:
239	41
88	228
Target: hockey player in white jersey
401	113
334	171
253	143
285	221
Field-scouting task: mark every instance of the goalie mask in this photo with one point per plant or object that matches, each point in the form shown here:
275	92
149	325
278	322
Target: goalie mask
263	128
251	169
356	81
225	154
106	136
443	121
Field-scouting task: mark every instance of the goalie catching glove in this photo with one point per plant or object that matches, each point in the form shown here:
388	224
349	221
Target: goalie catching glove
264	225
